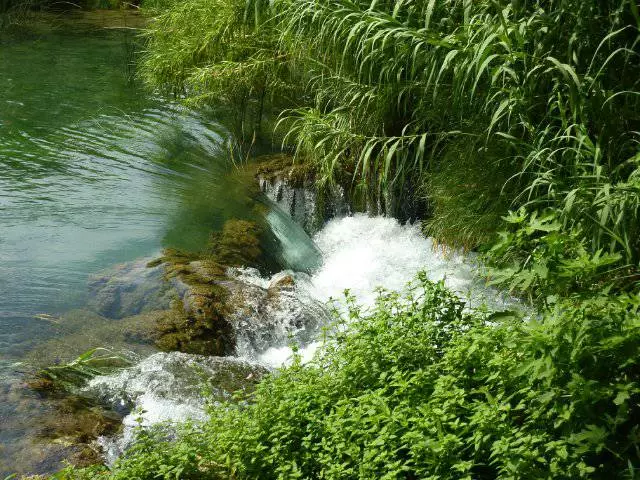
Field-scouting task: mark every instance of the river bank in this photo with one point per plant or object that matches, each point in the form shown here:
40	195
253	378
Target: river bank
495	142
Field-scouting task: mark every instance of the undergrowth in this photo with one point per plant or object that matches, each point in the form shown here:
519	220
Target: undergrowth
420	387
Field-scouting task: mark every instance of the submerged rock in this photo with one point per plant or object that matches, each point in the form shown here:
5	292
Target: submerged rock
78	422
129	289
61	427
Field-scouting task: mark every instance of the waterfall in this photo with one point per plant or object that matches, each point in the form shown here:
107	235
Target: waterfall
358	253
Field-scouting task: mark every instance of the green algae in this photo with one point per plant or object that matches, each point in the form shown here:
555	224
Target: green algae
238	244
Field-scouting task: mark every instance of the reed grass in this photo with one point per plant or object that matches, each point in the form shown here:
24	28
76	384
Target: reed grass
543	96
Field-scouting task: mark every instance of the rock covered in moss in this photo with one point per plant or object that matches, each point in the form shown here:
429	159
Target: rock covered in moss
237	244
283	166
79	421
199	322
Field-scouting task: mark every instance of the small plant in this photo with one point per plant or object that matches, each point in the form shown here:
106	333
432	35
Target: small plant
70	376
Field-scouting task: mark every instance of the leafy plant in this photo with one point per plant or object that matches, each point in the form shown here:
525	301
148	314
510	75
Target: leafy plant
537	256
94	362
422	387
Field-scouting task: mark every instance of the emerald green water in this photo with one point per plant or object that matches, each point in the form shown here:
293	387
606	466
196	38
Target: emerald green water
94	171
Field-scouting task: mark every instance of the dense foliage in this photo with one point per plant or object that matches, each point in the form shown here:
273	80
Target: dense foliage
421	387
491	105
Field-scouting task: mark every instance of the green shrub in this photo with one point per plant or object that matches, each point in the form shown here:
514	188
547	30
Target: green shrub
537	256
421	387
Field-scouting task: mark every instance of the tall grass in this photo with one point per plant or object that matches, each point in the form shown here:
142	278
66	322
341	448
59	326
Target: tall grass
540	98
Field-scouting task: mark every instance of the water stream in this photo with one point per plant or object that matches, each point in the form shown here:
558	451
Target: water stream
96	175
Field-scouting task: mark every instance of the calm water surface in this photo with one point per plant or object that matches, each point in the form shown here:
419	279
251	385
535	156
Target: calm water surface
93	172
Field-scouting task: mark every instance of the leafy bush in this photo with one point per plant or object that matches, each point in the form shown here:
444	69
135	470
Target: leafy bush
539	257
421	387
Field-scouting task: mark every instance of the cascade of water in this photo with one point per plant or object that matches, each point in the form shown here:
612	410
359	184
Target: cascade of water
359	253
298	252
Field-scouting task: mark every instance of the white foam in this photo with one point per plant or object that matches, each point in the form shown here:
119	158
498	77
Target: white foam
163	388
363	253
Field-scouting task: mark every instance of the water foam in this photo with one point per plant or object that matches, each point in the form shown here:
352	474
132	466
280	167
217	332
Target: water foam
362	254
166	388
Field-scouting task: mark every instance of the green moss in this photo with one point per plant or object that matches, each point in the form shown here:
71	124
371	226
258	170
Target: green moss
154	263
200	328
238	244
198	324
284	166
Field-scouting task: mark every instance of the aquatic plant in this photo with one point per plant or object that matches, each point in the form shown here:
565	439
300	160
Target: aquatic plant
70	376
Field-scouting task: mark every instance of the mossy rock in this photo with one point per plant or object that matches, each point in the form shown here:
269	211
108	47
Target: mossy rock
79	421
283	166
197	324
238	244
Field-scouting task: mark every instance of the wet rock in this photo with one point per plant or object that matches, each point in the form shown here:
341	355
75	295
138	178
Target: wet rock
282	281
282	166
129	289
237	312
218	311
200	323
204	330
79	421
237	244
293	187
55	428
271	313
171	387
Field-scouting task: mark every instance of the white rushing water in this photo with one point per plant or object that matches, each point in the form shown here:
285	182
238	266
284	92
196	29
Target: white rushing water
362	254
359	253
